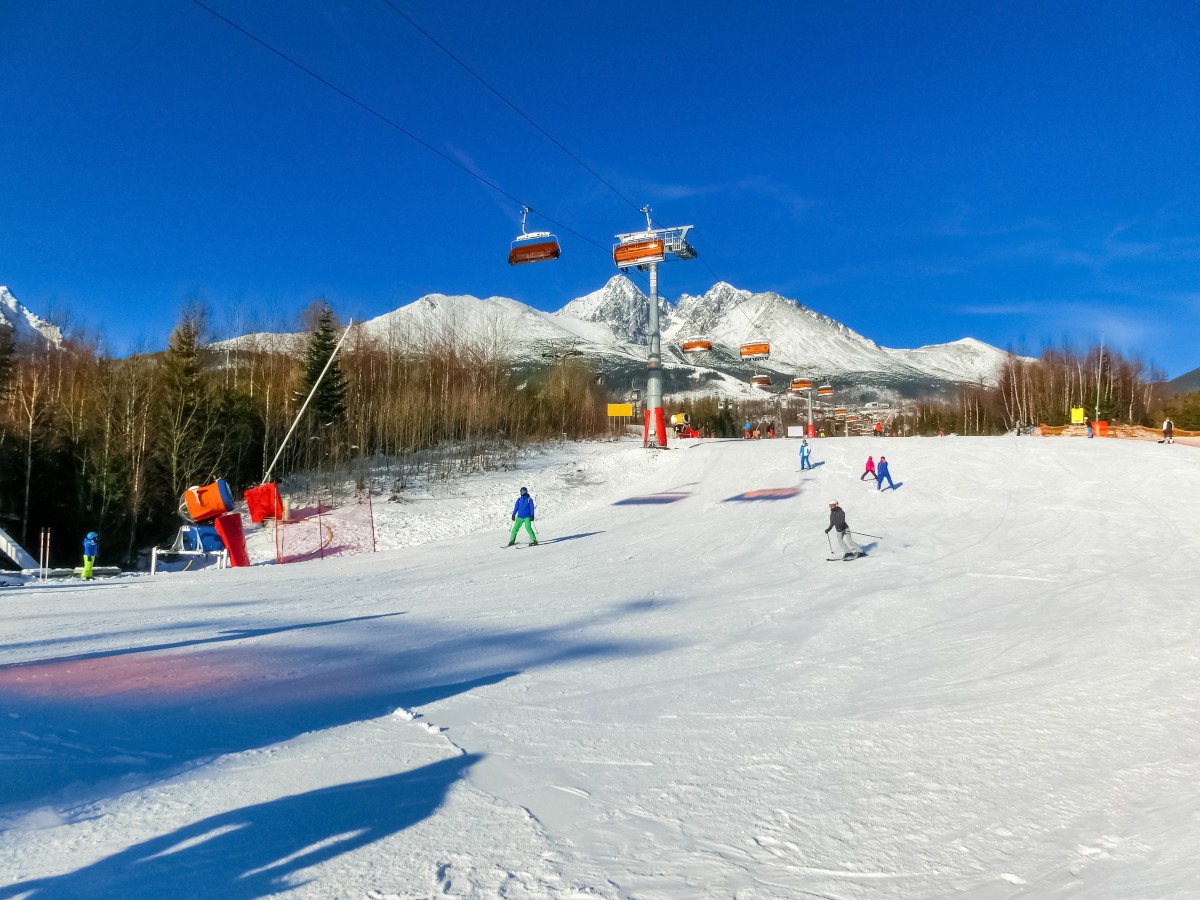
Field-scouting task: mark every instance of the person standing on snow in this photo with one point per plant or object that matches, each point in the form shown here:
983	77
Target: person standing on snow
91	548
870	470
522	514
805	462
881	472
1168	432
837	519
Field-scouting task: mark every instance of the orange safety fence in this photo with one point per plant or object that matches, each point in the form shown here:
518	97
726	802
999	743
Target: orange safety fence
1129	432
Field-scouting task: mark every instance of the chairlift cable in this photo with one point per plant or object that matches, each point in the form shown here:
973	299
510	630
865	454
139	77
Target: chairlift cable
508	102
557	143
432	149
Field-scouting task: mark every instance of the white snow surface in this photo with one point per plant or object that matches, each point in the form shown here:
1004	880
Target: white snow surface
673	696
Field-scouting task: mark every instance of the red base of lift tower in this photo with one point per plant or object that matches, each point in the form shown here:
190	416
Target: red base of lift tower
660	428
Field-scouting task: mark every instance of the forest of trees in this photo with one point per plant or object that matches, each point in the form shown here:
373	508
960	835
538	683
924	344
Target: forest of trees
90	441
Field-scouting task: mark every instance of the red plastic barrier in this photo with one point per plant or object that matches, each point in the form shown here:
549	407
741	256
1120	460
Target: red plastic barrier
263	502
229	527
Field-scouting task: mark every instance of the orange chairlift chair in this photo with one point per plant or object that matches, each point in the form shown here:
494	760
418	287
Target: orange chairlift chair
533	246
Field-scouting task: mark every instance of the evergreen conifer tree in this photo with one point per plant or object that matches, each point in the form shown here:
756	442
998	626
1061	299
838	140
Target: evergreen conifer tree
326	413
187	418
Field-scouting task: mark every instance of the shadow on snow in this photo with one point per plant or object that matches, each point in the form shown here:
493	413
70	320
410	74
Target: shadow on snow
94	725
571	537
779	493
653	499
251	852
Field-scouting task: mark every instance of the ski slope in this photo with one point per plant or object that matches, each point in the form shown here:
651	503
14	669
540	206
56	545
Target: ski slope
675	696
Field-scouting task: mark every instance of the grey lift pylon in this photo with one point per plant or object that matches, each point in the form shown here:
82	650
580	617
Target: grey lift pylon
645	250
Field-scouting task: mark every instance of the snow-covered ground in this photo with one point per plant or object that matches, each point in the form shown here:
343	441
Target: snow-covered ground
675	696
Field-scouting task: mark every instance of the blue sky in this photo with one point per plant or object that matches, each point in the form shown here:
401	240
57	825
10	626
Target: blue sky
1021	174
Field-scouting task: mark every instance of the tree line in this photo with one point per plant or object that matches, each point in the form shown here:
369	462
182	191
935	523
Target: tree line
1028	391
90	441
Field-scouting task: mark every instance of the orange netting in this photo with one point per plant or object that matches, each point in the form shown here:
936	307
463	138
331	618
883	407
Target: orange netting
321	530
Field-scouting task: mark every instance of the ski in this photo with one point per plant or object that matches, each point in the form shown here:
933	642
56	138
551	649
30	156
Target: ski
845	558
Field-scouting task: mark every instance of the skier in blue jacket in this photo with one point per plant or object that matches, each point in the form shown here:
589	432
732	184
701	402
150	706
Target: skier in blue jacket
91	548
522	514
805	462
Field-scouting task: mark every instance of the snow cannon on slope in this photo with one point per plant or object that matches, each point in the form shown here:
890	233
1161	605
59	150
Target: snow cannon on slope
213	504
203	504
682	423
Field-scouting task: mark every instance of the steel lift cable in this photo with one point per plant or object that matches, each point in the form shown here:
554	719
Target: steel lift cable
408	134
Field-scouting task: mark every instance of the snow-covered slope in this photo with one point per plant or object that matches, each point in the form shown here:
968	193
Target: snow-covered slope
499	319
620	305
674	696
612	326
24	324
963	360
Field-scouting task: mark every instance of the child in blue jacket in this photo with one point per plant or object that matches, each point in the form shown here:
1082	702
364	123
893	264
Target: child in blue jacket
522	514
91	548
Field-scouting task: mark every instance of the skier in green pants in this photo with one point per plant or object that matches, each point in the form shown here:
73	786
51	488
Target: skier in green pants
91	547
522	514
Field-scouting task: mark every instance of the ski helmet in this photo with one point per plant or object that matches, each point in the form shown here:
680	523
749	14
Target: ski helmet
91	535
833	503
524	490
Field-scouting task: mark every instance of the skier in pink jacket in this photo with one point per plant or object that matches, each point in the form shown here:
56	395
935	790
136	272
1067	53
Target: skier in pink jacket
870	472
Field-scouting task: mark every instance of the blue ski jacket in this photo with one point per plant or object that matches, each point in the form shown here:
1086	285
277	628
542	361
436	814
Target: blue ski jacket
90	547
524	507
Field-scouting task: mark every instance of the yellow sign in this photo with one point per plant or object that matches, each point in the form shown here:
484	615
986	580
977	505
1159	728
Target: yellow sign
1078	415
616	410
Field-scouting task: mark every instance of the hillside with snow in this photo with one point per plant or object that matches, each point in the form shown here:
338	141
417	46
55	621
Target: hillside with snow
24	325
673	696
610	328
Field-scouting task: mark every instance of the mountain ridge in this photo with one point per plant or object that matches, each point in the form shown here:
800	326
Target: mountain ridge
24	323
610	327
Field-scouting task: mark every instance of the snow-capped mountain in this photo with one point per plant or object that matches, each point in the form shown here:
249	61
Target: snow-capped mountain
621	306
24	324
610	326
803	342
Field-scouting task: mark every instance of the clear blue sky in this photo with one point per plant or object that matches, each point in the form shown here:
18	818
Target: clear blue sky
1018	172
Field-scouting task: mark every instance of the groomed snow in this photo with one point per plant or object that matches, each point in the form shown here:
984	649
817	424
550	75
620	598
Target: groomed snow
675	696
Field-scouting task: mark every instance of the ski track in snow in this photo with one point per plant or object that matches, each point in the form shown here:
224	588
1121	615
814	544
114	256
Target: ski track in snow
675	699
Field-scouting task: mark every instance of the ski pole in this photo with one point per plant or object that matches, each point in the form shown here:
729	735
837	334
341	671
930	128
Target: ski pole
829	541
862	534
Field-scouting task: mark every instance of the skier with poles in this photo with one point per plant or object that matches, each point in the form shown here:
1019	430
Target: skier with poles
805	462
522	514
91	547
837	520
870	470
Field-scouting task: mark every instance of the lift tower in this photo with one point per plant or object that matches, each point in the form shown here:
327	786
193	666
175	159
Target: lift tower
645	250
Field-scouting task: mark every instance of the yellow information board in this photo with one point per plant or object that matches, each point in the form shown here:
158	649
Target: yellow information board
616	410
1078	415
